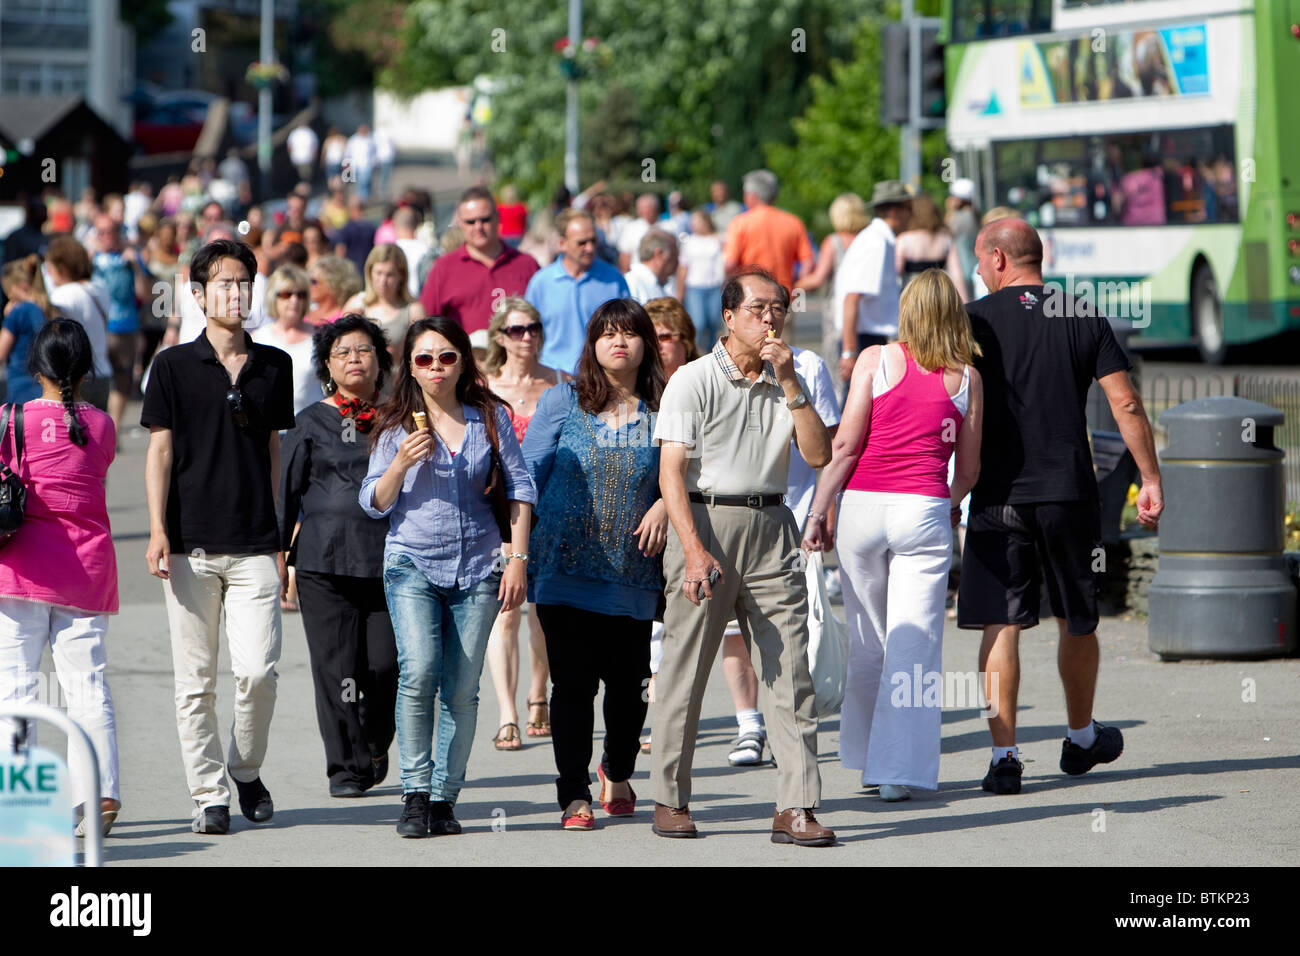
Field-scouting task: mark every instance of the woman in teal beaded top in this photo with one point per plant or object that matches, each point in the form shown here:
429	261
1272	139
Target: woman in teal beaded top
596	576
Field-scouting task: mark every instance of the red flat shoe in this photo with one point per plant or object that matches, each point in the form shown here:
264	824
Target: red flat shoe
576	821
622	807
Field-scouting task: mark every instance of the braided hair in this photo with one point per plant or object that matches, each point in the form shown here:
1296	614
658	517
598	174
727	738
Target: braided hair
61	353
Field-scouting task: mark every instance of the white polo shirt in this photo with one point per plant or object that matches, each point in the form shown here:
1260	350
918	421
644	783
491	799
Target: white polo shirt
642	284
738	433
869	269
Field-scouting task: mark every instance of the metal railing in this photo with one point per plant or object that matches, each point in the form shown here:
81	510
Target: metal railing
1161	392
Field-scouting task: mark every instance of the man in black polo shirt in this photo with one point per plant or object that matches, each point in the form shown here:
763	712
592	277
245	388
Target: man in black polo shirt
1034	512
214	409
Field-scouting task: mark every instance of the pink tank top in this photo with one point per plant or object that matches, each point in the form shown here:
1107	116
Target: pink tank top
913	432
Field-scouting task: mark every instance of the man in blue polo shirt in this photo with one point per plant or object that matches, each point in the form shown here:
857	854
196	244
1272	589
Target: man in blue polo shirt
571	288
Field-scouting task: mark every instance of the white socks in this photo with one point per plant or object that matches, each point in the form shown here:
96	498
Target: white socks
749	722
1084	738
1000	752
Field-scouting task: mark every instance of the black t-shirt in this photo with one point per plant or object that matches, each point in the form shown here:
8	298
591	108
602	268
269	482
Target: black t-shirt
1039	360
324	463
220	497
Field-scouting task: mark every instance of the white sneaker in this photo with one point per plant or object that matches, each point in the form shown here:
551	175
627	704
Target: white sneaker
748	750
892	793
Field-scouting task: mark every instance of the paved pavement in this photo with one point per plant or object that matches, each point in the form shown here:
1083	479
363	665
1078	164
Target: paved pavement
1206	778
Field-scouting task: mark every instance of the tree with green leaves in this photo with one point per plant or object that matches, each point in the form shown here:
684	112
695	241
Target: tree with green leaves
697	88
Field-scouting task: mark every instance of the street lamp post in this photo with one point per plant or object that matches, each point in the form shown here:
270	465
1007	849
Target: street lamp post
267	55
571	117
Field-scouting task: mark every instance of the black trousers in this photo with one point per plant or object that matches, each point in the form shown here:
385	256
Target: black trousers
354	669
585	648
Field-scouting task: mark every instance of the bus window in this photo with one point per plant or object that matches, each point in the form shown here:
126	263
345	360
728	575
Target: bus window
1173	177
985	19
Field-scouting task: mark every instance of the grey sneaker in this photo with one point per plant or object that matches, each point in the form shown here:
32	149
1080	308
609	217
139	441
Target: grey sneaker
748	750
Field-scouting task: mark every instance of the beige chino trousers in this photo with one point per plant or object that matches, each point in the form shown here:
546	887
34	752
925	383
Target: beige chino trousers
763	587
198	589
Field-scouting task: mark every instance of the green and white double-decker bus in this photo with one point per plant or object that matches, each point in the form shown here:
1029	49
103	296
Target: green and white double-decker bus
1154	143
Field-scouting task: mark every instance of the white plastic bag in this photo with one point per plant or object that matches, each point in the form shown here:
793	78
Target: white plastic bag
828	642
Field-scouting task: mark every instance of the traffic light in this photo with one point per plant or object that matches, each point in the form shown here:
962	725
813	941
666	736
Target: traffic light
893	79
934	97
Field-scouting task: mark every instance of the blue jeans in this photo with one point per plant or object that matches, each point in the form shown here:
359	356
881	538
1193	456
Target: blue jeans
442	636
704	305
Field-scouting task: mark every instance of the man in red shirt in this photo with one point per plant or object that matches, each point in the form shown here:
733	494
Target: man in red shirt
466	284
766	236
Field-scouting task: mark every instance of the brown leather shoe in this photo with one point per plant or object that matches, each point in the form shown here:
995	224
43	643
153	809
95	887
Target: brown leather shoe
671	822
800	827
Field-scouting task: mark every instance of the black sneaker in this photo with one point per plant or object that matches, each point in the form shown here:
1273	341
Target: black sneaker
214	819
254	800
347	789
1108	745
1004	776
441	820
414	821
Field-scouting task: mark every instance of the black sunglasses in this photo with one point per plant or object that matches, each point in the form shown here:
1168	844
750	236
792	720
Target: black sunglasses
484	220
235	399
517	332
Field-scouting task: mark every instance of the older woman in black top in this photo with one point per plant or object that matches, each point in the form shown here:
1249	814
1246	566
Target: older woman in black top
339	552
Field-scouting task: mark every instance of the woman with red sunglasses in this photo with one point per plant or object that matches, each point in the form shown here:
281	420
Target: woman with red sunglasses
515	338
436	444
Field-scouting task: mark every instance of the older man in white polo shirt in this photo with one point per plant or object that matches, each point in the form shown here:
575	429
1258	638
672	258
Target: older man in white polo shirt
725	424
866	283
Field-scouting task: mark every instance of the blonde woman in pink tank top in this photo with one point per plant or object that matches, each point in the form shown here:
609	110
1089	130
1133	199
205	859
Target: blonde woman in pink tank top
911	405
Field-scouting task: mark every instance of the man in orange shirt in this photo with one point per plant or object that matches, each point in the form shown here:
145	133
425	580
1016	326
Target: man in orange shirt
766	236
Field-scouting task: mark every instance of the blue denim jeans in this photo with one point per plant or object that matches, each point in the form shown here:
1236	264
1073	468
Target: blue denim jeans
704	305
442	636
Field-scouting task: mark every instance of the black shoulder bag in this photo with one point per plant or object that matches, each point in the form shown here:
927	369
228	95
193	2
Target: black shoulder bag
13	496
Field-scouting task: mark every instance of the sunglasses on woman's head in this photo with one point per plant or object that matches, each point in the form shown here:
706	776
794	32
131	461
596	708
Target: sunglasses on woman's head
425	359
517	332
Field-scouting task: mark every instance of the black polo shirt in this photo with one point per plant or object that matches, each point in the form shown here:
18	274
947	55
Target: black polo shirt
220	496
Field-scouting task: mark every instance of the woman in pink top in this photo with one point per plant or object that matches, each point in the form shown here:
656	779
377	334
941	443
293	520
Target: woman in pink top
909	404
58	574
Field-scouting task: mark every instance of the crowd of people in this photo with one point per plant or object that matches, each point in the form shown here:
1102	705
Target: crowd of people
413	439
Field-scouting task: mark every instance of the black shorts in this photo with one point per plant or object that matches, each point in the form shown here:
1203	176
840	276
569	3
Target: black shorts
1012	551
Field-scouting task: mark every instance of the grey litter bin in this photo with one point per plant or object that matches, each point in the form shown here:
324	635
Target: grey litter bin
1223	588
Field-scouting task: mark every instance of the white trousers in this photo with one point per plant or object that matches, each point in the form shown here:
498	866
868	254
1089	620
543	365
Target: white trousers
198	589
76	640
894	551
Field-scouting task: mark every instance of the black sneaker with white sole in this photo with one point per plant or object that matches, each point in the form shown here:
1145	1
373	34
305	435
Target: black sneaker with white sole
414	821
1077	760
1004	776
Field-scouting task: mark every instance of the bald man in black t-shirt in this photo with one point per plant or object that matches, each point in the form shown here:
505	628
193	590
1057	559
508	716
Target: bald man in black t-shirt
1034	512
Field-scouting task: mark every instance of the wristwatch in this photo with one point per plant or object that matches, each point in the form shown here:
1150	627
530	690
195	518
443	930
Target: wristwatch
847	354
799	401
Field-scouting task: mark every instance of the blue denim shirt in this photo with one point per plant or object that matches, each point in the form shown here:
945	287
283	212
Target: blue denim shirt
595	484
441	518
